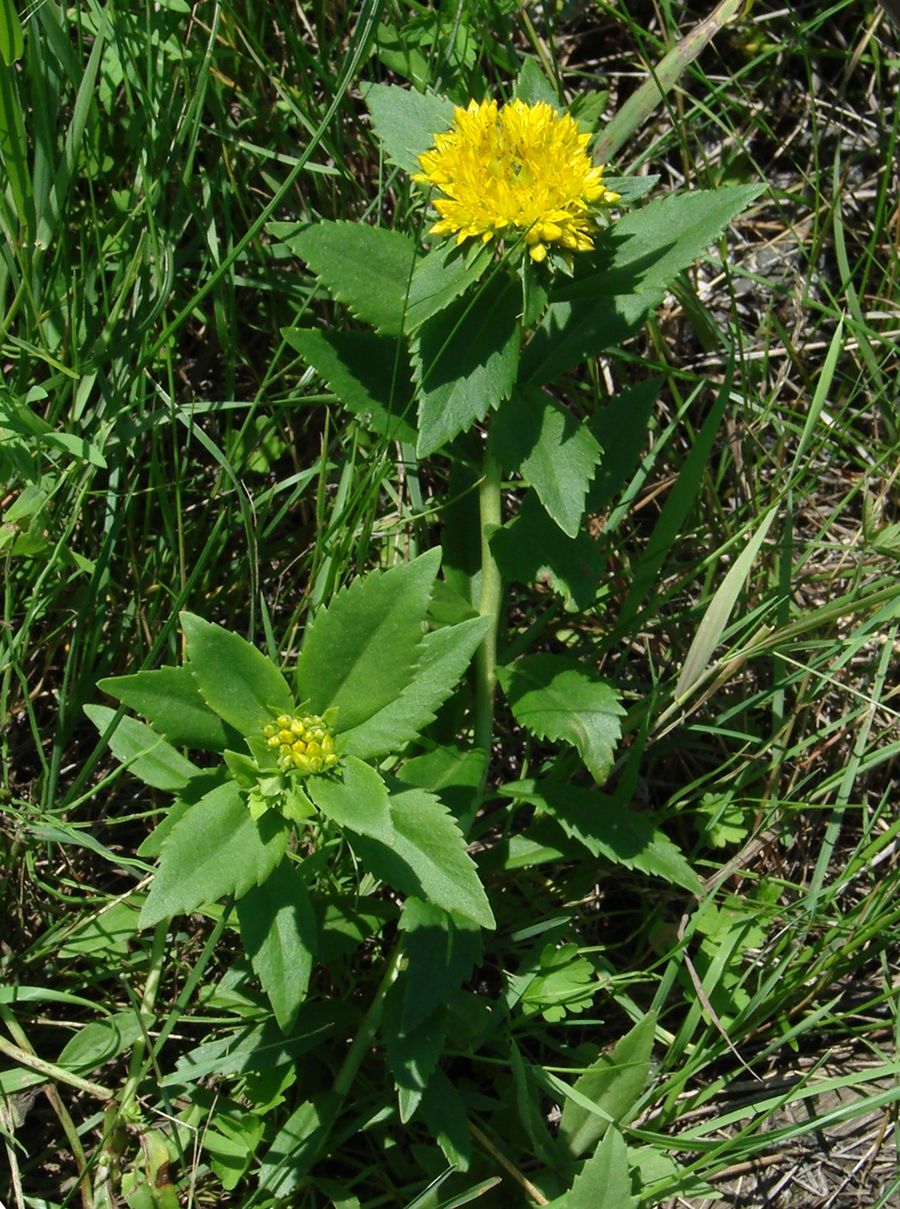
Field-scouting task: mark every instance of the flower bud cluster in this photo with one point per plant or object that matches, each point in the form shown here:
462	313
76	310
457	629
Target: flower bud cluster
303	742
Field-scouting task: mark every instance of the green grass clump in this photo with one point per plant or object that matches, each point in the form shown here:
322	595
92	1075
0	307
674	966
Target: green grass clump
164	448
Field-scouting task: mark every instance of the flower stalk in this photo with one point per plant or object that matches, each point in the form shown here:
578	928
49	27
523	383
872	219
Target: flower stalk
490	602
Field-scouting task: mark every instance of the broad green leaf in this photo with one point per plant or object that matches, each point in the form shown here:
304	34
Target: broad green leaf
621	428
367	372
236	680
429	860
608	828
170	701
440	276
278	930
604	1179
446	653
558	698
360	652
555	453
613	1084
147	755
408	840
465	360
216	848
441	947
531	548
719	610
635	261
366	268
355	797
413	1052
406	121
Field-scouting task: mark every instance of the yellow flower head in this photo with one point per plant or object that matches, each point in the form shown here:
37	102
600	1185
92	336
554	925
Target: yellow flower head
301	741
512	170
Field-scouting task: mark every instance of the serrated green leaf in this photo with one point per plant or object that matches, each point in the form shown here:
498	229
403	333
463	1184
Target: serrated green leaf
367	372
407	839
558	698
148	756
446	653
360	652
429	846
555	453
236	680
635	261
531	548
608	828
216	848
170	701
613	1084
604	1179
366	268
278	930
406	121
356	797
465	360
440	276
441	948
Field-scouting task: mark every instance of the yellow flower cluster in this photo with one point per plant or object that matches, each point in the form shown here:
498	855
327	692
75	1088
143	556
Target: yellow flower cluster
517	169
303	742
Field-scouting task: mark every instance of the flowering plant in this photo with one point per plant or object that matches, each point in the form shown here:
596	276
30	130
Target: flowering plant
368	771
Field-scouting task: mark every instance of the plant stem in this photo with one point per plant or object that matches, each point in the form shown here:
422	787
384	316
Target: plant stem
369	1027
489	603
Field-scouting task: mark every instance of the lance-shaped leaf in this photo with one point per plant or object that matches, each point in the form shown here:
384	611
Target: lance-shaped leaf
367	268
367	372
278	929
236	680
613	1084
360	651
216	848
465	360
558	698
170	701
446	653
636	260
148	756
604	1179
